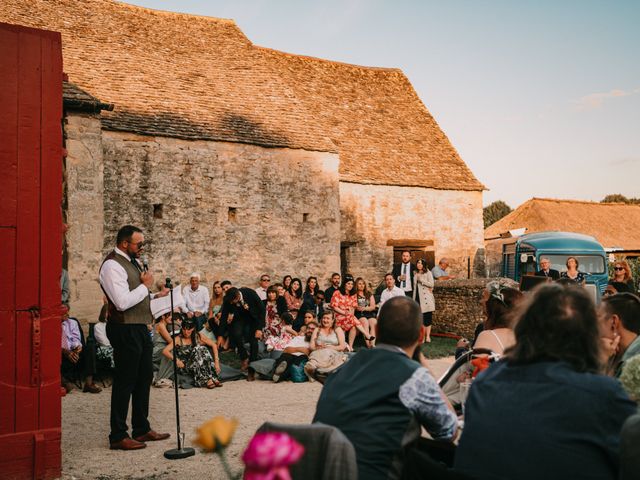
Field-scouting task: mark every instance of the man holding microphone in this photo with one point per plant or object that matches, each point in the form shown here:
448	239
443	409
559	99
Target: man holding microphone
126	284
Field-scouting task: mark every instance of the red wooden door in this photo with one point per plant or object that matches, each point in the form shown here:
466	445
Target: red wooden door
30	251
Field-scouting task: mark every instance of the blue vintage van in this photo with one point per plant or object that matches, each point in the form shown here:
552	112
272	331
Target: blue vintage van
522	255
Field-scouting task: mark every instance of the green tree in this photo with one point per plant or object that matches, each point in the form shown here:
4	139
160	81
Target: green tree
494	212
615	198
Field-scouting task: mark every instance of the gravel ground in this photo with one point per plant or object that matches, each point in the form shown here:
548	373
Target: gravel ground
85	430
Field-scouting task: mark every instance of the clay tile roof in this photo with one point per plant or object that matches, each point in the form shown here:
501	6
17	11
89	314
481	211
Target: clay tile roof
192	77
613	224
171	74
385	134
75	98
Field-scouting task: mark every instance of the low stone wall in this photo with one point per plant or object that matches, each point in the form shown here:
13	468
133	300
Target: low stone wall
458	308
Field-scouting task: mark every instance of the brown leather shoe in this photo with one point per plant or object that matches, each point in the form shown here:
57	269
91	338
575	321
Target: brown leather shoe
152	436
127	444
251	375
91	388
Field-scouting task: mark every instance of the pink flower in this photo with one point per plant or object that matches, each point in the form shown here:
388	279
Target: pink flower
269	455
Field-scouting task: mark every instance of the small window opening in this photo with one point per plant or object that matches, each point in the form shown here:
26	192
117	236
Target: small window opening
305	217
157	210
232	215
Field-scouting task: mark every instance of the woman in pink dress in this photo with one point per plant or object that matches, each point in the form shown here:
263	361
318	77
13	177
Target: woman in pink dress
344	302
275	334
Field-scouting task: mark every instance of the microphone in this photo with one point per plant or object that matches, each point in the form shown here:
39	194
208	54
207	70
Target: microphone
168	283
145	263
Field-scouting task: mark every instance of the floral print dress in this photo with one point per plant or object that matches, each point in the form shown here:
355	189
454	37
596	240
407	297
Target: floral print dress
345	303
198	363
275	337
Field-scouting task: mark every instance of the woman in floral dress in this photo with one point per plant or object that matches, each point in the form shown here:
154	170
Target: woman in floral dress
275	334
344	302
193	357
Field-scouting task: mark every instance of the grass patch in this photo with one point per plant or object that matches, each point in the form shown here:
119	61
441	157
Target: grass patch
439	347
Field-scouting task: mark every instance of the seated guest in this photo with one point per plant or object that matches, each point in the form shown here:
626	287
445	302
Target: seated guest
265	280
278	330
162	367
343	304
365	309
545	411
196	299
335	285
296	352
293	296
214	315
546	270
621	329
497	334
193	358
308	296
316	306
327	344
308	318
380	397
73	366
621	279
280	288
246	313
389	292
328	335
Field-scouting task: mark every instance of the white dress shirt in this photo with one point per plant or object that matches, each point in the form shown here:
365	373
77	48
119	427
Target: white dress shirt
262	293
196	300
100	334
407	283
387	294
113	278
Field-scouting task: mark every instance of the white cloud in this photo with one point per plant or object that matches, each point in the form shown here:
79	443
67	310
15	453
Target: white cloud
595	100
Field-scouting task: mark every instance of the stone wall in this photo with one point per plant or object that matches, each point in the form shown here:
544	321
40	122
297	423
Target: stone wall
84	213
228	210
373	215
458	308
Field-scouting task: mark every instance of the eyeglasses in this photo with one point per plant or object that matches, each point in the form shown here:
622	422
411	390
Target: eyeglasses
618	268
265	279
139	244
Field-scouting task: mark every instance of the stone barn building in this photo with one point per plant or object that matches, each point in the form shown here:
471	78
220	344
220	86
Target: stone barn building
237	159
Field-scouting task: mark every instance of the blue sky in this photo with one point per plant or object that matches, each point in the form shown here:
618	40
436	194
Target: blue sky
541	98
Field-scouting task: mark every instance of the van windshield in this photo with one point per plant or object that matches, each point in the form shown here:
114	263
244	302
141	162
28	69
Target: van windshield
587	263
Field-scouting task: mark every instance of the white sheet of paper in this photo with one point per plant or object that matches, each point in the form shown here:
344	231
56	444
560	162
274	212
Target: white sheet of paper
162	305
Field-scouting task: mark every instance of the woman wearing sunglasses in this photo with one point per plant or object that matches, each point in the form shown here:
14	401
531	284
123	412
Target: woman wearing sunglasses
193	357
622	280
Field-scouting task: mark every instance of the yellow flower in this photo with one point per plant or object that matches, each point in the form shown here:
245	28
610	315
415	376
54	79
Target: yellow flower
216	433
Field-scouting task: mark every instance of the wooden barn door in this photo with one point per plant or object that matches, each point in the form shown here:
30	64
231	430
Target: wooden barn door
30	251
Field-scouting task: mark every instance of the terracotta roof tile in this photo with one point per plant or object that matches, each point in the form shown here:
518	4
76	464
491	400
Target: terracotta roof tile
613	224
192	77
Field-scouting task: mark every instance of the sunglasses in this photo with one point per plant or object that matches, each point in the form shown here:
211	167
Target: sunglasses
618	268
188	327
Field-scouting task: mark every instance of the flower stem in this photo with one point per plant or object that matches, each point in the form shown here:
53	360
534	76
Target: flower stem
225	464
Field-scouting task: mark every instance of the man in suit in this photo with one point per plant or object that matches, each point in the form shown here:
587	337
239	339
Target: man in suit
247	323
546	270
404	272
126	285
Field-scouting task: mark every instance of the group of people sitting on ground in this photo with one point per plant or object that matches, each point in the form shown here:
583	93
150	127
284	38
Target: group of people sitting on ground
547	406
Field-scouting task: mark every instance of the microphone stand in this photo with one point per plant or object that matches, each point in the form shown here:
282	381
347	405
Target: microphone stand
180	452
